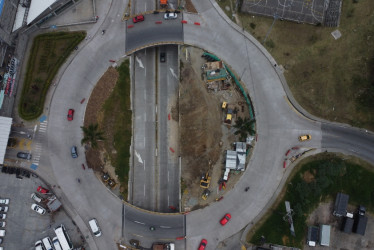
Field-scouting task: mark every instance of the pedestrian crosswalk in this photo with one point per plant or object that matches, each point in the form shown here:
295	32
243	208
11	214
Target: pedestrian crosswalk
43	126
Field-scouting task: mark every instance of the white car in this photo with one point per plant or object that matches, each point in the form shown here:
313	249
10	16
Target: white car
2	223
38	209
170	16
2	232
39	245
4	201
35	197
4	209
2	216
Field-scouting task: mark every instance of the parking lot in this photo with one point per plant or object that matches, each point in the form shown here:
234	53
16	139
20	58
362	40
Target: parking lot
23	225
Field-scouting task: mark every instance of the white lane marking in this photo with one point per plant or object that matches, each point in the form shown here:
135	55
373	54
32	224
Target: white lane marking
168	175
139	62
165	227
138	156
144	166
139	222
173	73
144	190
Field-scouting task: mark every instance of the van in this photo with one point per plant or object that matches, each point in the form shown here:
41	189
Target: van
56	243
95	227
47	243
2	232
39	245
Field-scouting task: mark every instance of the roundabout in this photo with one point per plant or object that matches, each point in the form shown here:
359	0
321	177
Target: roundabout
279	123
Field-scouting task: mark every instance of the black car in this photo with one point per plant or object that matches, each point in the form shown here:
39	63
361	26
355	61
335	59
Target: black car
24	155
162	57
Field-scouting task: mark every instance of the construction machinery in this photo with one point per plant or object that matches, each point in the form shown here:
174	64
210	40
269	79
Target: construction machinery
163	3
205	194
229	112
205	180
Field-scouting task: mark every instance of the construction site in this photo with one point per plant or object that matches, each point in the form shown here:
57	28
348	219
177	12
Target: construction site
213	153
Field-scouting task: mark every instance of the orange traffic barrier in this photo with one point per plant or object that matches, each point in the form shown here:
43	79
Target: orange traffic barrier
130	26
158	22
284	164
196	23
184	21
169	116
288	152
171	149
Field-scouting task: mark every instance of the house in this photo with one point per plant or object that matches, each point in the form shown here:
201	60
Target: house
347	225
341	203
324	235
312	238
235	160
359	225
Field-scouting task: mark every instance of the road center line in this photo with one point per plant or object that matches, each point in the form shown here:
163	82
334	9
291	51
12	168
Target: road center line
139	222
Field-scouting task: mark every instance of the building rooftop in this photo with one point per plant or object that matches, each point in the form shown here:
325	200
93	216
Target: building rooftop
347	225
359	226
325	235
341	203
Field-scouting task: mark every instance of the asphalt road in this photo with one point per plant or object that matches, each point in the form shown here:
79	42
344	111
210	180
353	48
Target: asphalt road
144	108
148	32
168	177
278	126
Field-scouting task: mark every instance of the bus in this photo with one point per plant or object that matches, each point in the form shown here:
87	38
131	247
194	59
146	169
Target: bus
63	238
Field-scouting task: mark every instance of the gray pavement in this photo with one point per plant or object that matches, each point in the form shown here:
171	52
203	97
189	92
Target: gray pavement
25	224
144	153
149	33
168	176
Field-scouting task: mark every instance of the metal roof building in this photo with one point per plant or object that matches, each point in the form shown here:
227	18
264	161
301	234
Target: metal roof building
5	126
341	203
359	226
324	235
347	225
231	157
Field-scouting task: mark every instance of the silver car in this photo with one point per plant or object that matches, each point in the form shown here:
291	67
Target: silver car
170	16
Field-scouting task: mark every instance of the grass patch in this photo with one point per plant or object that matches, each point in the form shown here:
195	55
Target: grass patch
49	51
118	117
314	180
332	79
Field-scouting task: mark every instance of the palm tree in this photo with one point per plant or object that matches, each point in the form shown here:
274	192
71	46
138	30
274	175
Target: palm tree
91	135
244	127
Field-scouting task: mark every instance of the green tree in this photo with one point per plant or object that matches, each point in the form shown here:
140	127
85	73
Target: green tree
91	135
244	127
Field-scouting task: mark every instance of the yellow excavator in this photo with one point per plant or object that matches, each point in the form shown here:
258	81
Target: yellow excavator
205	180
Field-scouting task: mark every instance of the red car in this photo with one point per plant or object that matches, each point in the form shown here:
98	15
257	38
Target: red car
137	19
203	244
70	114
225	219
42	190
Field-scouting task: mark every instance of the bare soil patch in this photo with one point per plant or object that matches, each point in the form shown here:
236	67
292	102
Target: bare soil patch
203	135
94	114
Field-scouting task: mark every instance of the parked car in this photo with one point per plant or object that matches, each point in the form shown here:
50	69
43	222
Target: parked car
56	244
137	19
2	216
74	152
4	209
38	209
70	114
203	244
95	227
36	197
170	16
2	232
24	155
225	219
2	223
162	57
4	201
42	190
305	137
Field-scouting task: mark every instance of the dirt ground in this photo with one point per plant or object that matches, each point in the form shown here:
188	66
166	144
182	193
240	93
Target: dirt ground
203	135
338	239
94	114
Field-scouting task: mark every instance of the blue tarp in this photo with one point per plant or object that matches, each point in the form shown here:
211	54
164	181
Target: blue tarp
1	6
